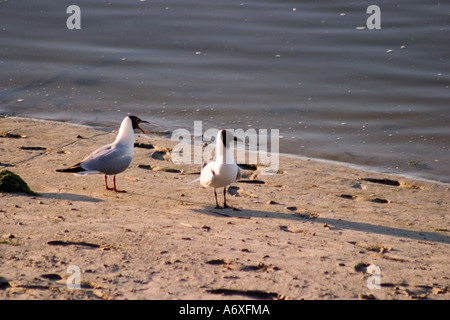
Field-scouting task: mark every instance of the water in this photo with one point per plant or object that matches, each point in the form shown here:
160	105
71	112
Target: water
336	91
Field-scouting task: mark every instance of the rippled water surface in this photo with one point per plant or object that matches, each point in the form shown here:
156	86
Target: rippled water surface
335	89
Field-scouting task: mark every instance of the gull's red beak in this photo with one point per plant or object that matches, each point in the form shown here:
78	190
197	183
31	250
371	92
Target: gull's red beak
143	121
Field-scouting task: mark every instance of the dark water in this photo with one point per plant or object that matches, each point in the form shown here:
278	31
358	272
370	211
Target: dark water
335	90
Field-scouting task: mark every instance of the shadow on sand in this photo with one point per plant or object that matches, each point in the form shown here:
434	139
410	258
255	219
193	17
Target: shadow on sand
69	197
336	223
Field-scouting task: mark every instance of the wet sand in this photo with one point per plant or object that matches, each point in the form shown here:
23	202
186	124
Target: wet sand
312	231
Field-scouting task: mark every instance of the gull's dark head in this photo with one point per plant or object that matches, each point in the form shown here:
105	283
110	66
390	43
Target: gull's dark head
227	137
223	134
135	121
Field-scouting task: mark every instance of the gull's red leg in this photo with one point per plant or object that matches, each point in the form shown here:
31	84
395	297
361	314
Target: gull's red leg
106	183
115	189
217	203
224	198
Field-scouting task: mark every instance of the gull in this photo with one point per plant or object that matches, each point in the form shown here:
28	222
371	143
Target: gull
223	171
113	158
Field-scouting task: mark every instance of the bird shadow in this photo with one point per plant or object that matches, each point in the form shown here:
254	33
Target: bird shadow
336	224
70	197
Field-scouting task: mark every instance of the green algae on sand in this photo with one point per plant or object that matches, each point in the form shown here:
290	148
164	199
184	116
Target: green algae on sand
11	182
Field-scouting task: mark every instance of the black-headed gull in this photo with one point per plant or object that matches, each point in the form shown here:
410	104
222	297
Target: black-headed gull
113	158
223	170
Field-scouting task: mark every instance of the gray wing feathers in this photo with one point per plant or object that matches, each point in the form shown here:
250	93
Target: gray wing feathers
107	160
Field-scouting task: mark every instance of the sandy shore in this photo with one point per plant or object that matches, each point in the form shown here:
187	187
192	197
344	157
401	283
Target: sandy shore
312	231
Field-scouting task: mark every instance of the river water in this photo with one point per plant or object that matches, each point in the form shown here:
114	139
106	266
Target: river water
334	88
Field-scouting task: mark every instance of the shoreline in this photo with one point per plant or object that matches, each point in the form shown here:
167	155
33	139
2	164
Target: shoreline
362	167
312	231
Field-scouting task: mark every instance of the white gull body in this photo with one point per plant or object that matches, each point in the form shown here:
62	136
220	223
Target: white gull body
113	158
223	170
